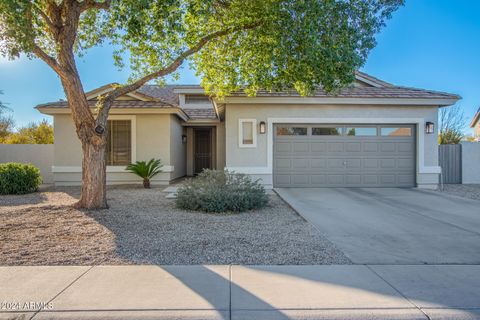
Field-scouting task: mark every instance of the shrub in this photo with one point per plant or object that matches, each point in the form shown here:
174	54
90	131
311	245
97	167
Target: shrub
19	178
221	191
146	170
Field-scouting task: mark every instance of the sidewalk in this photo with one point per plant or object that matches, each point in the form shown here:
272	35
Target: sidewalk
241	292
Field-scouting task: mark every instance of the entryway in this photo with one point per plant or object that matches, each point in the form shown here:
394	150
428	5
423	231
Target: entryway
202	149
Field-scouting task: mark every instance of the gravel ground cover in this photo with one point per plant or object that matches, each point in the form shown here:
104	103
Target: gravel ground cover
143	227
471	191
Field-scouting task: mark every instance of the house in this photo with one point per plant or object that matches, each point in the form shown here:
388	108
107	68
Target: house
372	134
475	124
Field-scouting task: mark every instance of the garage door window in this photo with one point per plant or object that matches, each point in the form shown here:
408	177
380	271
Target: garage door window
291	131
361	131
396	132
326	131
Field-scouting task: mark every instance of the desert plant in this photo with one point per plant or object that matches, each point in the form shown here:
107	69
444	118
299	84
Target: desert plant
221	191
19	178
146	170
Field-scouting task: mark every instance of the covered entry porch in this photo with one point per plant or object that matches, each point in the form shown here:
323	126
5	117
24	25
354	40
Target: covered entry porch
205	147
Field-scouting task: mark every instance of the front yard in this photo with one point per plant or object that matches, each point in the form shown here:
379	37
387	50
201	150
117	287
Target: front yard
143	227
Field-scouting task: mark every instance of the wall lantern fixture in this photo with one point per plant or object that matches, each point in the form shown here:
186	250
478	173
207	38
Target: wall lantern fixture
263	127
184	138
429	127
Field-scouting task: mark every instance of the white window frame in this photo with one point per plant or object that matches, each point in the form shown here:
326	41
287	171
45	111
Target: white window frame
133	137
254	133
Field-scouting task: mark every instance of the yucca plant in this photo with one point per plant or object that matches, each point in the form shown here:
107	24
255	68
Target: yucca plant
146	170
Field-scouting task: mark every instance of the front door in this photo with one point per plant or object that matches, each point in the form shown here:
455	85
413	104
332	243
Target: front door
202	149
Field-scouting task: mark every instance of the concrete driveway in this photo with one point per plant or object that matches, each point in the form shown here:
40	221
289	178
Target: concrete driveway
393	225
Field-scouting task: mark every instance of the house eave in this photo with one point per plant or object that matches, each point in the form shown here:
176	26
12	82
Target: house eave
342	101
475	120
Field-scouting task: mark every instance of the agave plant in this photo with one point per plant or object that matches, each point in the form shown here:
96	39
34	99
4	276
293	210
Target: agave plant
146	170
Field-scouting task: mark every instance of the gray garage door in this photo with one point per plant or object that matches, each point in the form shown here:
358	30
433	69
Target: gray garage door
344	155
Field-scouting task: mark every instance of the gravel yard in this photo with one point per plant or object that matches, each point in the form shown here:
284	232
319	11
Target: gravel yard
143	227
471	191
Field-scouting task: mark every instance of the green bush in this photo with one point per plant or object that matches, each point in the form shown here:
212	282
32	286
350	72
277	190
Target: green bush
221	191
19	178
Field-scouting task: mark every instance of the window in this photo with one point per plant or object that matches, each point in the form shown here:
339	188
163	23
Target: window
361	131
119	143
196	99
291	131
326	131
396	132
247	133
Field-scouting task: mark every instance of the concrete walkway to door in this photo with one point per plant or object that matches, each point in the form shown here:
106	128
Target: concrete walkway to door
393	225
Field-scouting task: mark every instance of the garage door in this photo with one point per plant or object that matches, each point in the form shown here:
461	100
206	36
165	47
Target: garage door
344	155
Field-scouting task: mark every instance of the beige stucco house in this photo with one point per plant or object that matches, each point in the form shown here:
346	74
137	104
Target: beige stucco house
475	124
371	134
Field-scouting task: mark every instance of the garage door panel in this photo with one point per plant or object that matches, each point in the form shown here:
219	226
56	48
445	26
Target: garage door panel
404	147
283	163
370	146
336	179
283	146
301	147
387	147
353	179
335	147
300	163
353	146
345	161
353	163
318	146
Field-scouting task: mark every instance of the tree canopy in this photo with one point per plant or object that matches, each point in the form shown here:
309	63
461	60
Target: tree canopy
34	133
271	44
452	123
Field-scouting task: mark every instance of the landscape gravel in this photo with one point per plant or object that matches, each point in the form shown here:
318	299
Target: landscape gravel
143	227
471	191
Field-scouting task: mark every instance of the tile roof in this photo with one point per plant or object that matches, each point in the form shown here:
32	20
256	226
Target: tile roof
201	114
165	93
116	104
363	92
165	97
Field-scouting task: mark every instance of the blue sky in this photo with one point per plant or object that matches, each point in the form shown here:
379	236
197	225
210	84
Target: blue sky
431	44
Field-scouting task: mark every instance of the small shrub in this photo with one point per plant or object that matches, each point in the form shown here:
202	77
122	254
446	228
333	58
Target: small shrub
146	170
19	178
221	191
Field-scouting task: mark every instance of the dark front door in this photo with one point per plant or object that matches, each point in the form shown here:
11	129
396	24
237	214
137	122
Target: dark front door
203	149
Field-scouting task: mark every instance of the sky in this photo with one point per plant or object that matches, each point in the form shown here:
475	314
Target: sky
429	44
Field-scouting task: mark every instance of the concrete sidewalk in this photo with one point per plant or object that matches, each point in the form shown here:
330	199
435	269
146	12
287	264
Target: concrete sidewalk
241	292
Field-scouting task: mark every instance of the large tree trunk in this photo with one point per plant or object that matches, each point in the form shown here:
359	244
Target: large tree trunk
94	195
94	190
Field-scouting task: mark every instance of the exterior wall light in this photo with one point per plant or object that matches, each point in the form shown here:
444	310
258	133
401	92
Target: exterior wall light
184	138
429	127
263	127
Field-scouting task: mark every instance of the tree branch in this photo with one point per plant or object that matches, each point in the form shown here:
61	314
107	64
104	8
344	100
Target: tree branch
92	4
47	58
45	18
120	91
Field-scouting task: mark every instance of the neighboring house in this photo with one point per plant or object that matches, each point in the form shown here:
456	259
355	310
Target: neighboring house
475	124
372	134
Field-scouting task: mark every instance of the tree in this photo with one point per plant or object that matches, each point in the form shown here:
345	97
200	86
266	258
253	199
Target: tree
6	122
41	133
232	44
451	122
